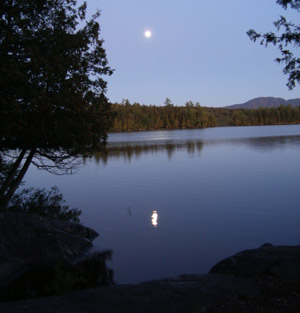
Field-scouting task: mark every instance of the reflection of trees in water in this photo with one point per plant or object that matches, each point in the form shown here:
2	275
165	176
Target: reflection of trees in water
268	144
193	146
170	148
127	151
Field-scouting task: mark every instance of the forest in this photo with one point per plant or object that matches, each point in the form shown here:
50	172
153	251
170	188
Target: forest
134	117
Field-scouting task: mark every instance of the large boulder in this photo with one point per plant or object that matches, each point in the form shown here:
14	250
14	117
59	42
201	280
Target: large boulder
34	244
277	261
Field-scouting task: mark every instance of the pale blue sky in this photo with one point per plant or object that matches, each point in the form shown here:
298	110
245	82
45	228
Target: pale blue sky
199	51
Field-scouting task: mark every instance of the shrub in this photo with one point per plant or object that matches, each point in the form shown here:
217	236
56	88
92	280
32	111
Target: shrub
47	203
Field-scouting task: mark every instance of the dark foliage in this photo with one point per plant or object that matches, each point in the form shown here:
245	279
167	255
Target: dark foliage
266	116
129	117
288	35
52	97
47	203
133	117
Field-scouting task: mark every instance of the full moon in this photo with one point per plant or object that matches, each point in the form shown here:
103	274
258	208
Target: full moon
148	34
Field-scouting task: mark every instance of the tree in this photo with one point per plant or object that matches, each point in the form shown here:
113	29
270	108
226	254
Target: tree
53	106
168	103
189	104
290	36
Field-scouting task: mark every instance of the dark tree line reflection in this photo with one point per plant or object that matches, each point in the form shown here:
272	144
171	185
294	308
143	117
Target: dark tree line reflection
266	144
129	150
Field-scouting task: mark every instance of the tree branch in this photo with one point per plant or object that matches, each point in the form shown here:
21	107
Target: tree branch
17	181
12	174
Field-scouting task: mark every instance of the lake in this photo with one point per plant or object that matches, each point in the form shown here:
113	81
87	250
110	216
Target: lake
176	202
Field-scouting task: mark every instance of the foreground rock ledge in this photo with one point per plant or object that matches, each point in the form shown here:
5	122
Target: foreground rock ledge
266	279
32	243
260	280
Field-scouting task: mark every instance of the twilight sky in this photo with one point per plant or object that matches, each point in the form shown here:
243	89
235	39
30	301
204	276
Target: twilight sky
198	51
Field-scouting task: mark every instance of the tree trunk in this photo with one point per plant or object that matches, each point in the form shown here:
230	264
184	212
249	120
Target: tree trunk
12	174
18	180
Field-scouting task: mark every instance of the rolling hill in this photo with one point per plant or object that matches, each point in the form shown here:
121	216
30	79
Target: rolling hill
265	102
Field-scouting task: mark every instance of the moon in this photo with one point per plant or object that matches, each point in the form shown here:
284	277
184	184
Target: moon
148	33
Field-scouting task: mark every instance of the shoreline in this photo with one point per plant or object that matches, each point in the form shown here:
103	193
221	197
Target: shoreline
266	279
186	128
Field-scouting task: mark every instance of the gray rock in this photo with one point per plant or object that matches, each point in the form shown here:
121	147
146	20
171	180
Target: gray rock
279	261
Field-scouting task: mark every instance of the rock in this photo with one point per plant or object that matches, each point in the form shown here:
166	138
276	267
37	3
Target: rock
210	293
192	294
279	261
261	280
32	244
226	289
94	271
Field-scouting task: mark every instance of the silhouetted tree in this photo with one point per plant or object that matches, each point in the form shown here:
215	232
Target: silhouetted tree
168	102
52	98
290	36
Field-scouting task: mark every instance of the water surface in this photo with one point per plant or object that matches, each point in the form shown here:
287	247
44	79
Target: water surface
174	202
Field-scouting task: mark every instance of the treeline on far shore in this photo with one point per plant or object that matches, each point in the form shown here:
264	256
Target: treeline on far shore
134	117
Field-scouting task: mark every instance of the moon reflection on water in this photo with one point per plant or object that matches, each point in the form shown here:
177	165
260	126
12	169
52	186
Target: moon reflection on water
154	218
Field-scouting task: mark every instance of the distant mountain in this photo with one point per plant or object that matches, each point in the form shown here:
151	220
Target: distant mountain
265	102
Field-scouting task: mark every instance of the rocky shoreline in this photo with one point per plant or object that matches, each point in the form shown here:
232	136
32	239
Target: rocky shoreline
42	256
266	279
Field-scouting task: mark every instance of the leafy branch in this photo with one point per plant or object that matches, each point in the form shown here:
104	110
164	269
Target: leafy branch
288	35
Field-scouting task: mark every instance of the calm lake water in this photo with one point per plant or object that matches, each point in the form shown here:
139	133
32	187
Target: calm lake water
175	202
